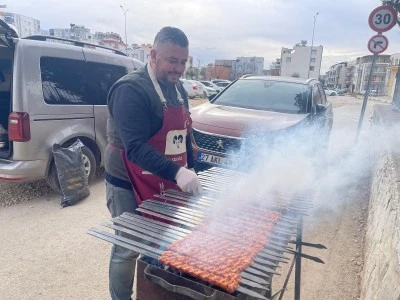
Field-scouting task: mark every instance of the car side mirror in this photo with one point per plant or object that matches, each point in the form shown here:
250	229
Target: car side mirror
321	108
211	97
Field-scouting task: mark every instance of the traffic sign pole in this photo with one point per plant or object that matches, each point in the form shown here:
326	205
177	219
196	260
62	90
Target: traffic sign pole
360	121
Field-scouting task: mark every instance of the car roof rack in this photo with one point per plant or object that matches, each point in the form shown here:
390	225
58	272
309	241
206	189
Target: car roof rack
74	42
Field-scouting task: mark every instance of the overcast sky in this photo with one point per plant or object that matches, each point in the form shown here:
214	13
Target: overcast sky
224	29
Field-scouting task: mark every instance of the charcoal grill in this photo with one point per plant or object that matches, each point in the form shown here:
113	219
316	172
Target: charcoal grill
173	215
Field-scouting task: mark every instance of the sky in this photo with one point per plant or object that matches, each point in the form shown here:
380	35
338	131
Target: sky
224	29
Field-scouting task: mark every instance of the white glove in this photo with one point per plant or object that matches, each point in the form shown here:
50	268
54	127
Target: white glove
188	182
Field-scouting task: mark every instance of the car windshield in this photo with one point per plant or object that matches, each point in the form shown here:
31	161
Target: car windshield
206	83
222	84
286	97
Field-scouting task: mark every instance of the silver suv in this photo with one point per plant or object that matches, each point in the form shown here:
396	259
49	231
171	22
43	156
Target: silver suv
53	91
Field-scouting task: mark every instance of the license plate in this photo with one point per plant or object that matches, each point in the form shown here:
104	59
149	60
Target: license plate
217	160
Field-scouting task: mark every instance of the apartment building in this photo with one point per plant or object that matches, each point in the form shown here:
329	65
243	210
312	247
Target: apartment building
391	74
362	69
275	68
339	76
25	26
247	65
301	61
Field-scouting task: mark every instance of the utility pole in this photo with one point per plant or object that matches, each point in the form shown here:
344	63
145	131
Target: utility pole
126	37
312	44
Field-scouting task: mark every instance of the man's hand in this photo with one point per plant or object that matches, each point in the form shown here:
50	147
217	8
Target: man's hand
188	182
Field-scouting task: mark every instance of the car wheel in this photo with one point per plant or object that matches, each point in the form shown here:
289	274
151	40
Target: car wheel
89	162
204	95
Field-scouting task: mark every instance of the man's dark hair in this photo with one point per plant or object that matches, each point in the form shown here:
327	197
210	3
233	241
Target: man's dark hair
171	35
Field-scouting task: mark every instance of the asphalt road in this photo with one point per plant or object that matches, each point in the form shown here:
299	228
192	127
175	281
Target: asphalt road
45	252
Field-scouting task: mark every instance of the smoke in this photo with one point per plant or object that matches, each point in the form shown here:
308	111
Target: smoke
297	162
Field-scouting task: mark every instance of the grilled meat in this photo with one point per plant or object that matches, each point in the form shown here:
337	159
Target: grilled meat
202	270
220	249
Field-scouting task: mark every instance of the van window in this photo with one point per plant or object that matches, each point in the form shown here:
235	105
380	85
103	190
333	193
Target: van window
63	81
101	78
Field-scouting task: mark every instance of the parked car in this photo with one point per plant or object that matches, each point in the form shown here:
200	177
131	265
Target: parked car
192	88
52	91
207	91
212	85
341	92
220	80
274	105
221	83
330	92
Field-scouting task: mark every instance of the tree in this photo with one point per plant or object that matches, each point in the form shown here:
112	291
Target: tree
393	3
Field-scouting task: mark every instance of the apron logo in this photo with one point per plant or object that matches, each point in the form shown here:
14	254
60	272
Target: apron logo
178	139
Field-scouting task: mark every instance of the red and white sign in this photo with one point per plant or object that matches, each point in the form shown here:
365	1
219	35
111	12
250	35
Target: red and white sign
382	18
378	44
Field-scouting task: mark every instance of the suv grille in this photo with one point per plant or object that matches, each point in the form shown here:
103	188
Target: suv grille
216	143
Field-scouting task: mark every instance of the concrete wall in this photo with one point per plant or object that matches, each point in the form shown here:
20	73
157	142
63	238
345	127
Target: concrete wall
381	274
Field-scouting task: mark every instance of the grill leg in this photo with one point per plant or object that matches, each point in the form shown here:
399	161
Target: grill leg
297	278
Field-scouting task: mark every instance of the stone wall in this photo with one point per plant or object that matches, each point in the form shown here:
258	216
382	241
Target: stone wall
381	273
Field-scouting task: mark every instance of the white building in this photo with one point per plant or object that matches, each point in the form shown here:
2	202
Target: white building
60	33
301	61
339	76
142	53
275	68
25	26
247	65
75	32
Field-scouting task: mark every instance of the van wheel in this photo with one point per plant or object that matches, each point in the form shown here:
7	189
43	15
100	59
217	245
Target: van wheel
89	162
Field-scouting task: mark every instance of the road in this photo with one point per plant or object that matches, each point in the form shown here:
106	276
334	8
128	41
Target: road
45	252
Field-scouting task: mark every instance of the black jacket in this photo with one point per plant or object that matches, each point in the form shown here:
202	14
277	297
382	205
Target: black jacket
135	115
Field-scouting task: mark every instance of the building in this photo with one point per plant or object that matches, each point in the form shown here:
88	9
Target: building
209	74
339	76
111	40
25	26
231	69
362	68
60	33
141	52
223	69
247	65
301	61
275	68
391	72
75	32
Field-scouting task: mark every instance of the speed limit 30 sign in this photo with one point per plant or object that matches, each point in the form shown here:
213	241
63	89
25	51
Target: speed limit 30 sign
382	18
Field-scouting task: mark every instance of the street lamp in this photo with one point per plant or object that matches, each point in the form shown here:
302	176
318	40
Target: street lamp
126	37
312	44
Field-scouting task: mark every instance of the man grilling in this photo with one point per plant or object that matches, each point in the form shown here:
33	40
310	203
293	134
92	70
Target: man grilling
147	110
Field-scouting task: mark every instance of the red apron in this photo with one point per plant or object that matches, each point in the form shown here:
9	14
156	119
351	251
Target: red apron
169	140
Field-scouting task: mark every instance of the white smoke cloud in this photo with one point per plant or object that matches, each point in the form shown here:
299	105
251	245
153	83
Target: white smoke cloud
297	163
